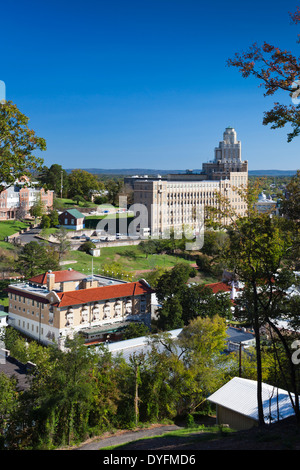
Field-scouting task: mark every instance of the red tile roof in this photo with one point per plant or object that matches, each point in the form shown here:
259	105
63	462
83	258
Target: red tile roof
60	276
95	294
219	287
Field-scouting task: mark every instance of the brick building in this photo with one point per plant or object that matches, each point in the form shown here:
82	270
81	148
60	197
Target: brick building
23	195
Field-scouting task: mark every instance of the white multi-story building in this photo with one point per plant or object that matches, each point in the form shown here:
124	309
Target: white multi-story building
177	202
22	194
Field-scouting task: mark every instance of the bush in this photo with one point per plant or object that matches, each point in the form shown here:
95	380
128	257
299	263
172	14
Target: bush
87	246
45	222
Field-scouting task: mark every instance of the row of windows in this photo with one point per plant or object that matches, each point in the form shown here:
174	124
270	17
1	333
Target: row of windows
20	298
28	311
32	329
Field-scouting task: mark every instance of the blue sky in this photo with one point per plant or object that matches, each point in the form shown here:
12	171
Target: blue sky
143	84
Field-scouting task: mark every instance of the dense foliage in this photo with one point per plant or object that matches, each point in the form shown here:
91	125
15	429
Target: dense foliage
82	392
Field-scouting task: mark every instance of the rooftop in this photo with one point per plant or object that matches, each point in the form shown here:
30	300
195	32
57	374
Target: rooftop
219	287
14	369
107	288
60	276
95	294
75	213
36	287
240	395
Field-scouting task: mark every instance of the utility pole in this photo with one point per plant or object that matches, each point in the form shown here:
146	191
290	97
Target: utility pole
61	183
240	360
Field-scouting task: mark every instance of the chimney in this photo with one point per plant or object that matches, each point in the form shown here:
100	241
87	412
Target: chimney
50	280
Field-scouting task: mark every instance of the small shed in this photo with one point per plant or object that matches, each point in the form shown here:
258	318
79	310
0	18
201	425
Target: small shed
72	219
236	403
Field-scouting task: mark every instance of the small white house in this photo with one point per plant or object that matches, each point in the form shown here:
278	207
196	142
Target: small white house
236	403
3	318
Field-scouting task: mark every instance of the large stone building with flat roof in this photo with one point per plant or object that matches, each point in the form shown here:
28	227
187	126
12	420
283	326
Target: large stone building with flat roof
55	305
177	201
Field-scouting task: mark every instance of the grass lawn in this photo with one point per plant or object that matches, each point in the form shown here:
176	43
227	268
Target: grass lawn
65	203
9	227
130	259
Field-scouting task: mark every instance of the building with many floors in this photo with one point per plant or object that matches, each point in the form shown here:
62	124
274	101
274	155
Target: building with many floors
55	305
22	195
178	200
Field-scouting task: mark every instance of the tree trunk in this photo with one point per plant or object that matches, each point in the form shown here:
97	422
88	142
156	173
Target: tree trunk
136	397
261	420
292	371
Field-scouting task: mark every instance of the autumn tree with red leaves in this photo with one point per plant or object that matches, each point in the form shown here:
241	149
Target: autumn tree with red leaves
277	70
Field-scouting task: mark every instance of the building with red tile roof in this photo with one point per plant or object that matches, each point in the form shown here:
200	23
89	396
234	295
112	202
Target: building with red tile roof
219	287
55	305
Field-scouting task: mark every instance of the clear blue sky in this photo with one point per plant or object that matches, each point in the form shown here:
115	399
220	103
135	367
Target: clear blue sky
143	84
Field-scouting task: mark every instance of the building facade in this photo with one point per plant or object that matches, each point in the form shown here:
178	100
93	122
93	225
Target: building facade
72	219
56	305
266	205
177	202
21	195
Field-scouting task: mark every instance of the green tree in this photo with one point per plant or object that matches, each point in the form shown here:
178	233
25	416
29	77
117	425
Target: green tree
173	281
63	242
9	402
134	330
36	258
37	209
204	341
81	183
200	301
257	254
87	246
17	145
108	375
55	178
53	216
290	205
148	247
114	187
169	315
45	221
214	242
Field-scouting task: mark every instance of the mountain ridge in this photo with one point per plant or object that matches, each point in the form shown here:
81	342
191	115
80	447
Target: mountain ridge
147	171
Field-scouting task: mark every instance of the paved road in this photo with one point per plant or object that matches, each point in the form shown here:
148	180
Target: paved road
30	236
127	436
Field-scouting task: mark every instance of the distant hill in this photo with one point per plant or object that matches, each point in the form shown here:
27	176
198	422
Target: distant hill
272	172
147	171
131	171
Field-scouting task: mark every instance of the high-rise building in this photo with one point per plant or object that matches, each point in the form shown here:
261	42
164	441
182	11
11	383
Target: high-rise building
177	200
